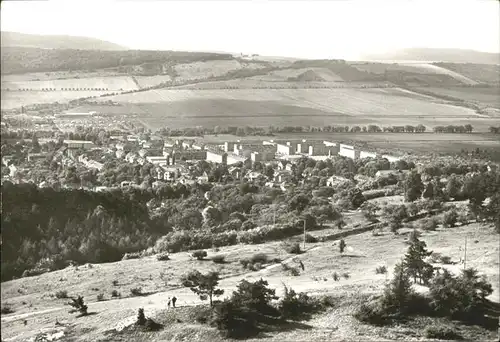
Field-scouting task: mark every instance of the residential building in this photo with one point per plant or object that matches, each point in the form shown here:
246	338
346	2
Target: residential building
158	160
79	144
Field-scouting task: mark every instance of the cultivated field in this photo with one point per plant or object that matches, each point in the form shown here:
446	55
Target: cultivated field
16	99
112	83
417	68
481	96
285	74
212	68
33	300
150	81
297	107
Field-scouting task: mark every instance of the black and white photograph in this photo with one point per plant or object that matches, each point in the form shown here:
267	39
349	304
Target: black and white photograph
250	170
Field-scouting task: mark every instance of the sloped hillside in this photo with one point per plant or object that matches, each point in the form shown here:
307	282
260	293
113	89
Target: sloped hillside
23	60
484	73
415	73
16	39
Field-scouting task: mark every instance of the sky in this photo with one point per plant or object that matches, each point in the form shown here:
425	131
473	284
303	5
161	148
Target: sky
306	29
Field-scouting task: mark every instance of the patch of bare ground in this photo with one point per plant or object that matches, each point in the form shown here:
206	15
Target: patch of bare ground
32	298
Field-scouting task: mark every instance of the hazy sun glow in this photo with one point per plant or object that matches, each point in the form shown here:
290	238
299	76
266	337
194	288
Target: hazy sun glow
309	29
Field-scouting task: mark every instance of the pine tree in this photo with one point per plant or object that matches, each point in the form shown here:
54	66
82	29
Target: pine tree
398	292
79	305
414	262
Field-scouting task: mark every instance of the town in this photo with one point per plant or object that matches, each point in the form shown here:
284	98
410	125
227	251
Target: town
335	177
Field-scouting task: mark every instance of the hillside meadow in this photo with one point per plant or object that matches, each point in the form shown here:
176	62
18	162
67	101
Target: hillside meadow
179	108
34	300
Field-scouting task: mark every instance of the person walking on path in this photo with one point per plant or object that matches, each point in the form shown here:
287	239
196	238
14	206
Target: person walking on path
173	301
169	302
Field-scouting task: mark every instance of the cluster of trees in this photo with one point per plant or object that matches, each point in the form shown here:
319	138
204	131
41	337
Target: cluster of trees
270	130
93	227
22	60
457	297
250	307
453	129
495	130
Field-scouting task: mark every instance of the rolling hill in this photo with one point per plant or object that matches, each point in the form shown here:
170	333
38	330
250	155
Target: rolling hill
15	39
437	55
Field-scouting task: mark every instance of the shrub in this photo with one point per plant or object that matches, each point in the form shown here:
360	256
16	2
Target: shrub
200	255
293	248
293	305
444	259
371	314
346	275
459	297
219	259
259	258
450	218
115	294
115	282
429	224
79	305
311	239
62	294
442	332
163	256
244	262
7	310
136	291
100	297
381	270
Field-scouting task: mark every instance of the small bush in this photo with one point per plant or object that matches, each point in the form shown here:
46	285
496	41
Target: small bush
311	239
136	291
200	255
293	248
442	332
346	275
444	259
244	263
381	270
100	297
115	282
115	294
429	224
62	294
450	219
294	272
6	310
219	259
259	258
371	314
79	305
163	256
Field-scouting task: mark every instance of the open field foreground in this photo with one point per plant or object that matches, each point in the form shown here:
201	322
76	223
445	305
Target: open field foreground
32	298
297	107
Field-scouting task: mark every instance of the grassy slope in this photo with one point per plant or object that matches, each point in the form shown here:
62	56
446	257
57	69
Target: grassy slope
316	107
364	253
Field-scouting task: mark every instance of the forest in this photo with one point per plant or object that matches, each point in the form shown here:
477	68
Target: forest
22	60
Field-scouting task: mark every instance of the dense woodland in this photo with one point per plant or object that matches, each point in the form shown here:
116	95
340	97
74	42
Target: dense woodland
101	227
22	60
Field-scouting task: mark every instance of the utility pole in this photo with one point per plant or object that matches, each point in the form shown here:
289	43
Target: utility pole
274	215
304	234
465	253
